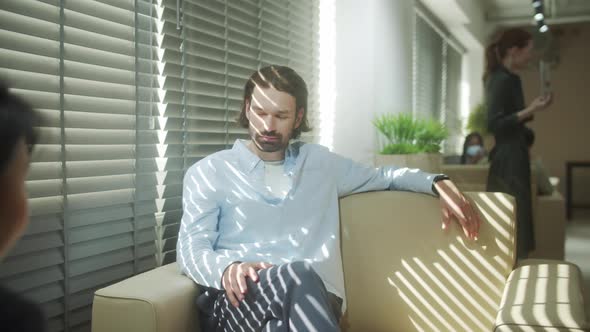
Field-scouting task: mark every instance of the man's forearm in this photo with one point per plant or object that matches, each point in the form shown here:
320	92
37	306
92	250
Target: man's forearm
412	179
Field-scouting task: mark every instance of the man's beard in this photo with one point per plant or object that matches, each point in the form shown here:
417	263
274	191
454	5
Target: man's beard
272	146
269	146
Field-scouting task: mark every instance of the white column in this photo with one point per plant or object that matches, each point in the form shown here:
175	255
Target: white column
373	65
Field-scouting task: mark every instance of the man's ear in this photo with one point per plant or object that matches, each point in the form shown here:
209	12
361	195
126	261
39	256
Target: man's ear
299	117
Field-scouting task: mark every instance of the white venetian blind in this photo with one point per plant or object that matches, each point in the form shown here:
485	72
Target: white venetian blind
453	144
205	65
436	75
87	67
428	70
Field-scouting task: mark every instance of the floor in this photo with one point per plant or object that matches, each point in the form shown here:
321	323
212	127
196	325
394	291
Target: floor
577	248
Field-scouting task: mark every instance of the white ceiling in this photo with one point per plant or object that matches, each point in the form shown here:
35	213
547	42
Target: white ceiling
518	12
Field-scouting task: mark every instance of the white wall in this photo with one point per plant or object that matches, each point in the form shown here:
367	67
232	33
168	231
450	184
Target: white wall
476	24
561	131
373	64
471	80
474	39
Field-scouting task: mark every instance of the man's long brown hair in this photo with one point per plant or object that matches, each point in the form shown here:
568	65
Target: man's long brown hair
283	79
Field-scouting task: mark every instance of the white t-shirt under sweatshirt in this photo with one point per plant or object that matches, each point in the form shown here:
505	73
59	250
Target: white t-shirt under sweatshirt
277	182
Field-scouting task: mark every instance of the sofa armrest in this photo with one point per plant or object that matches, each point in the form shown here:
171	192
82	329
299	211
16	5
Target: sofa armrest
161	299
543	295
402	272
550	223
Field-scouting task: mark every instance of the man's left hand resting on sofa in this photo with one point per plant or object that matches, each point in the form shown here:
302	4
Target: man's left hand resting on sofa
455	205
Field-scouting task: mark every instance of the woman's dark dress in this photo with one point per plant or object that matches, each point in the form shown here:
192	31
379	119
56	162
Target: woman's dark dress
510	170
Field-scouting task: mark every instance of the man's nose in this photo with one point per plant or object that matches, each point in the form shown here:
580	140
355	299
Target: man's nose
269	123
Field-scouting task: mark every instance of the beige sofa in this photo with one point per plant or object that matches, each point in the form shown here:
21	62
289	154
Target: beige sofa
548	211
402	273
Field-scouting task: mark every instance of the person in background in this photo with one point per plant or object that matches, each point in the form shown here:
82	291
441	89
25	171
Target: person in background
473	150
507	114
17	138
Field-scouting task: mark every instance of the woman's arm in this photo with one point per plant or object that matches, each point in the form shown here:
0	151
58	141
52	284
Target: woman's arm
498	92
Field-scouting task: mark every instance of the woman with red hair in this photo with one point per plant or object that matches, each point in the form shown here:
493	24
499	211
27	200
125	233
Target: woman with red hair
510	171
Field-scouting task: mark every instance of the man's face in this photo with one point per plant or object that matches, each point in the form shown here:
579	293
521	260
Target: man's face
273	118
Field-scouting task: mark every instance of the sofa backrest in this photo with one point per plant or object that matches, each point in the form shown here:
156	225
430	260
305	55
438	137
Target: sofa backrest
475	177
404	273
468	177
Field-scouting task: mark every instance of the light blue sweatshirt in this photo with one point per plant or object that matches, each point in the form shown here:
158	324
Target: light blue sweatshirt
230	214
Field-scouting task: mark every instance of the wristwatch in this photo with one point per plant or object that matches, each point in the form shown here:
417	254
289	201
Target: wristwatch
437	178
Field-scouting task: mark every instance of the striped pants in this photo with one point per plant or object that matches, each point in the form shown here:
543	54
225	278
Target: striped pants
288	297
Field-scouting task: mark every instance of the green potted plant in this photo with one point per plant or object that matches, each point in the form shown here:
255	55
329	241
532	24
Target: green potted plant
410	142
477	121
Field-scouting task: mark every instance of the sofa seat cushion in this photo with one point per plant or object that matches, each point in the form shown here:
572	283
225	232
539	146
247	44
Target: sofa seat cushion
543	295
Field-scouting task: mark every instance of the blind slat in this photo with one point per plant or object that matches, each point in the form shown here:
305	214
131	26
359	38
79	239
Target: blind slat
89	217
35	279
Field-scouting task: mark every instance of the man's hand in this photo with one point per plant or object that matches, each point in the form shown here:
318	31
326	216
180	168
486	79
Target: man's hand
234	279
454	204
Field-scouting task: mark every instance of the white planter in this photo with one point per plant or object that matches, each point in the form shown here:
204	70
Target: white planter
428	162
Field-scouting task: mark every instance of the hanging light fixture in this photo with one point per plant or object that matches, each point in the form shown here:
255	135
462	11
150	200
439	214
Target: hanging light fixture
177	14
539	16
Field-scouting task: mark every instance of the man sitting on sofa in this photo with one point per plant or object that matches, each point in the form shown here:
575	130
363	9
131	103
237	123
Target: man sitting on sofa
260	229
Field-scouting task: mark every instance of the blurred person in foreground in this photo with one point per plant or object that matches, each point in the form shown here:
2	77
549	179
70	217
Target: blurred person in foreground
17	138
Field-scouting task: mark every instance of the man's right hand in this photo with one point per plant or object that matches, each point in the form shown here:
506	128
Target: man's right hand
234	279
